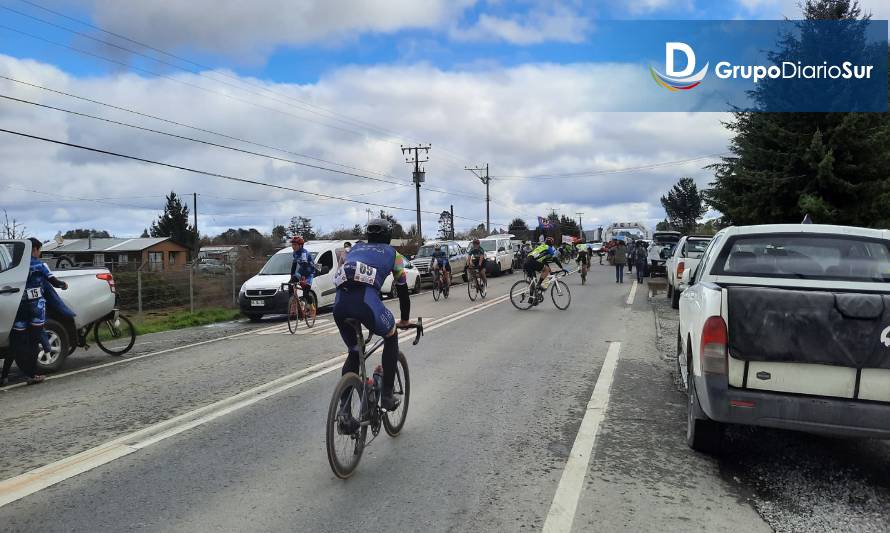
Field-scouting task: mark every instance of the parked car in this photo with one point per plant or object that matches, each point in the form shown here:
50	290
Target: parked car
262	294
682	262
661	248
788	326
457	258
413	281
91	295
208	265
498	254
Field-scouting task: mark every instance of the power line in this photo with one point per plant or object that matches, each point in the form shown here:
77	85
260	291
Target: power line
208	173
592	173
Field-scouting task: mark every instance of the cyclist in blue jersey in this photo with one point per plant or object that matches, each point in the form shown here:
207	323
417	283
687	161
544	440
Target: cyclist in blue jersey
302	268
440	261
358	284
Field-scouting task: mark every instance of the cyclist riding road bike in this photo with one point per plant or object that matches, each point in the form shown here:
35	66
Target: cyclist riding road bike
539	261
476	259
302	269
585	252
440	260
358	284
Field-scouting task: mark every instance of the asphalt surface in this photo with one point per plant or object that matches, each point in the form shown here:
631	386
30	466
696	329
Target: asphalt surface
498	396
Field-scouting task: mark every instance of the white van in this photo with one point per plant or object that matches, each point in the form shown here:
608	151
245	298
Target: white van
499	254
262	294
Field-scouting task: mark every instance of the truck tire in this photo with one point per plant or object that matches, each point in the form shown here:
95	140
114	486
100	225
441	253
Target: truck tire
675	298
702	435
60	344
670	289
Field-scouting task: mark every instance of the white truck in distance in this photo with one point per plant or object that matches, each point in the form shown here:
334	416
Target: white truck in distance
788	326
91	295
681	265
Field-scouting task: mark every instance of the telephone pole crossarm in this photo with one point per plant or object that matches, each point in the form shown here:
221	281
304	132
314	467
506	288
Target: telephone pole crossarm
486	179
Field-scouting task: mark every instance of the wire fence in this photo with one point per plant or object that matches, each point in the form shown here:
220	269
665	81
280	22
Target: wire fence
141	289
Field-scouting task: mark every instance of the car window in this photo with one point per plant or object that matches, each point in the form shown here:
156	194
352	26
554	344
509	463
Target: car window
327	260
11	255
706	257
695	248
806	256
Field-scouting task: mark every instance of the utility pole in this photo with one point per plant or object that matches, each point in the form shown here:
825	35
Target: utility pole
369	211
486	180
452	222
418	177
195	209
581	224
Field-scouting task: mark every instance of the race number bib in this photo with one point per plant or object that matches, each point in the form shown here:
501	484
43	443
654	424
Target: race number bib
340	277
34	293
365	273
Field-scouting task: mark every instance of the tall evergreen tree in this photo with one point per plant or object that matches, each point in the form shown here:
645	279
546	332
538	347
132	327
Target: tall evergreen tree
301	226
683	205
445	225
832	166
174	223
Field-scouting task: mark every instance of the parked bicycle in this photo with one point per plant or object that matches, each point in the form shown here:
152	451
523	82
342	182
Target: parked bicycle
361	401
440	287
475	286
525	294
114	334
300	306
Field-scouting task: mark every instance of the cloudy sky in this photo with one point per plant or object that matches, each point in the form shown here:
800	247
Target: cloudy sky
339	84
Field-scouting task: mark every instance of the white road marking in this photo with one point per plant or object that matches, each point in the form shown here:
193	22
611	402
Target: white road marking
565	501
633	293
23	485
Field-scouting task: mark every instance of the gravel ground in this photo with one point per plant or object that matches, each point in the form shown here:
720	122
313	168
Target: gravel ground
799	482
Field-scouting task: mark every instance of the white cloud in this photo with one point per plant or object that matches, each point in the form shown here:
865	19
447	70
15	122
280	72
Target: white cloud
553	23
531	119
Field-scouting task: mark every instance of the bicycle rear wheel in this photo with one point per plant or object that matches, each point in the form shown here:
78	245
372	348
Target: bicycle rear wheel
394	421
520	296
310	310
560	295
345	448
115	337
293	313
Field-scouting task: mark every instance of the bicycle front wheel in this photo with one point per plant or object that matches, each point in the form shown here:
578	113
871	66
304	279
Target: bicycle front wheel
115	337
560	295
437	289
293	313
520	296
394	421
309	311
345	437
471	288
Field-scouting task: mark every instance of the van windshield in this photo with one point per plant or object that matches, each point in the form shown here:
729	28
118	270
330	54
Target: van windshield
818	257
425	251
279	264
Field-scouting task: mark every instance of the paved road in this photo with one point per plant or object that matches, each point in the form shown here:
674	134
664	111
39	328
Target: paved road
492	440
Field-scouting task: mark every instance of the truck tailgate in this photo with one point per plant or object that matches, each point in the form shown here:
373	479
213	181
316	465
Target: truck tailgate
809	342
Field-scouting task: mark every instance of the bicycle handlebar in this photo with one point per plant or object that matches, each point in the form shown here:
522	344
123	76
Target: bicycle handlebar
415	326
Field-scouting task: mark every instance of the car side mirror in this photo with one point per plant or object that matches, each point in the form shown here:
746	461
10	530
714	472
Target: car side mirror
325	269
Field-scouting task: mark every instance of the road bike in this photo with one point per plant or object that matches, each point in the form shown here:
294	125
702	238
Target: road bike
114	334
440	287
355	406
300	305
475	285
525	294
582	268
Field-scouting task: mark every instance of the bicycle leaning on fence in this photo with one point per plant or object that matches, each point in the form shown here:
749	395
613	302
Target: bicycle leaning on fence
475	286
360	396
300	306
525	294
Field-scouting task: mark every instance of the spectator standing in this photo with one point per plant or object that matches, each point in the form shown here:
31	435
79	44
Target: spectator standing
630	253
619	259
641	258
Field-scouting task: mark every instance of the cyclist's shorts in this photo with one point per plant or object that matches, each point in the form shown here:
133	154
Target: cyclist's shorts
30	313
532	266
446	265
584	258
362	303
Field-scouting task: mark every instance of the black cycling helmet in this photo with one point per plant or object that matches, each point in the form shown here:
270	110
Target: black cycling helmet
379	230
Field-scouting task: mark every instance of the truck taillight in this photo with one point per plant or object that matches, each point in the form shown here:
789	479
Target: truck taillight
713	346
110	279
681	267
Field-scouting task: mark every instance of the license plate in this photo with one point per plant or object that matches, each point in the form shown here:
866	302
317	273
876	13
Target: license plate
257	303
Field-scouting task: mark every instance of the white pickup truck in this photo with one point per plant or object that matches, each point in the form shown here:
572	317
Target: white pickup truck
91	295
788	326
681	265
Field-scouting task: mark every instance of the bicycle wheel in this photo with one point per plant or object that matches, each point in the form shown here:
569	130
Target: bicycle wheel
115	337
345	448
445	290
310	309
471	287
394	421
437	288
293	313
520	296
560	295
583	276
